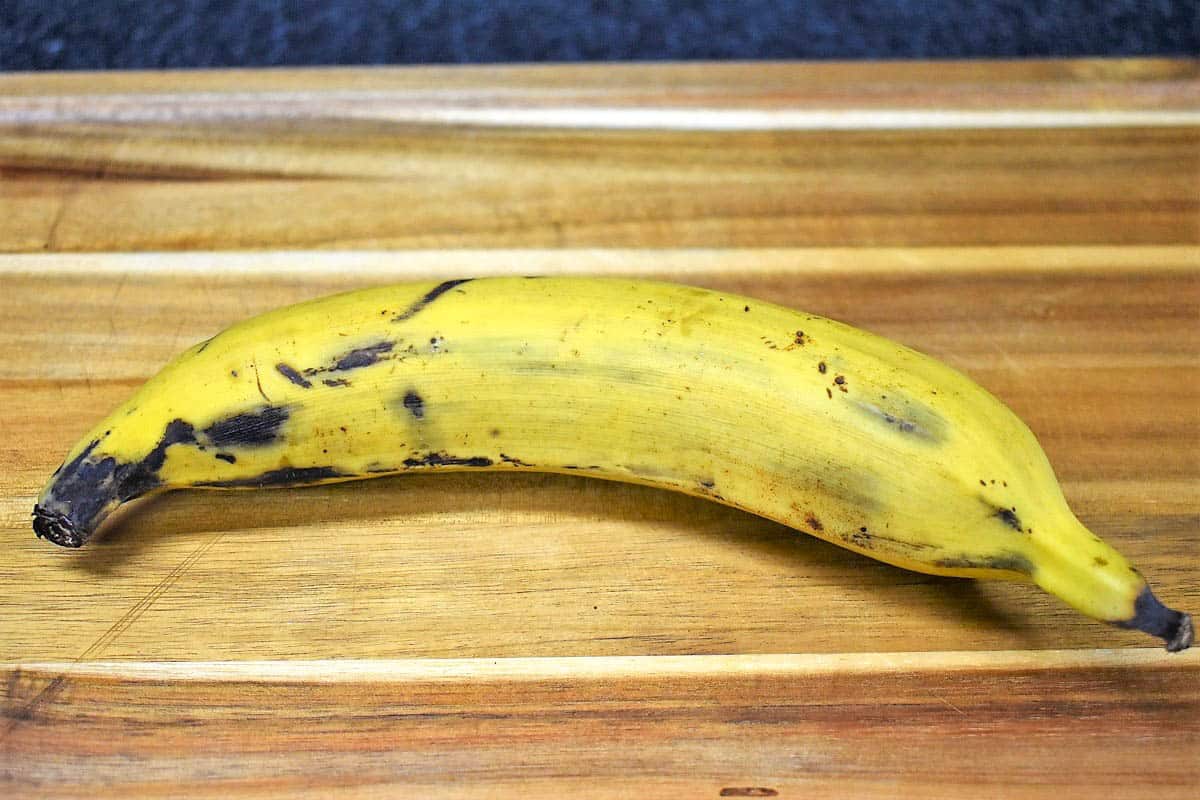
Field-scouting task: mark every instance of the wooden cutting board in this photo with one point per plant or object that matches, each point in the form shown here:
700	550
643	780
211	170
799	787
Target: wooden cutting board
1035	224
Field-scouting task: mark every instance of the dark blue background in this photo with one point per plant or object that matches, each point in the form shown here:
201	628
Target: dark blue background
109	34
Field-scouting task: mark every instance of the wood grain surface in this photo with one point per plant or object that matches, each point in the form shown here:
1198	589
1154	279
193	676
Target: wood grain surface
1035	224
935	725
738	155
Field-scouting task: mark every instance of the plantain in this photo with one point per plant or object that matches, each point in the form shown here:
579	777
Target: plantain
823	427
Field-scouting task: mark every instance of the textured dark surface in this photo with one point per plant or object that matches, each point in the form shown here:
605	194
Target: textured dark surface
112	34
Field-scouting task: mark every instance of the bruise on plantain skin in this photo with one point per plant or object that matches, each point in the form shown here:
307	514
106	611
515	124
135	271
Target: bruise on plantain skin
255	428
867	539
362	356
1009	517
442	459
292	375
916	420
707	487
433	294
1008	562
618	374
348	361
282	477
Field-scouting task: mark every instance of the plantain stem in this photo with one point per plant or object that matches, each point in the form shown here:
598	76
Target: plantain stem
1152	617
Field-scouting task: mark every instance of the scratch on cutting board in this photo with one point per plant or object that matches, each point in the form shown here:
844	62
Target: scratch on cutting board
59	682
68	198
950	705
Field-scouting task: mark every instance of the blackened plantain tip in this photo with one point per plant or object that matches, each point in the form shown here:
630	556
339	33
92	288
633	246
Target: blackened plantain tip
55	527
1152	617
1184	635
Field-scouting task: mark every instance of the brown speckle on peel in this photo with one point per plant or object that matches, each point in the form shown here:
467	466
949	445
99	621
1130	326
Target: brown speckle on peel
799	338
821	367
814	523
1100	561
747	308
829	392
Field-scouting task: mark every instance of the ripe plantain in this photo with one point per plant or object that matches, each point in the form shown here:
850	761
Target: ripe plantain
800	419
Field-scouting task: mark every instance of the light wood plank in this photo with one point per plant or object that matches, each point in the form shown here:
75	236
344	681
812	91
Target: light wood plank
1098	352
1034	223
943	725
670	155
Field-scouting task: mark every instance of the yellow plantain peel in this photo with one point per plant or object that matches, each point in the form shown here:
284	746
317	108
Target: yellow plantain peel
800	419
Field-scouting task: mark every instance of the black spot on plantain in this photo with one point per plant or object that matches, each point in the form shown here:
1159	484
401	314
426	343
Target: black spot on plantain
362	356
441	459
248	429
516	462
228	458
1008	562
1009	517
286	476
414	404
336	382
429	297
292	375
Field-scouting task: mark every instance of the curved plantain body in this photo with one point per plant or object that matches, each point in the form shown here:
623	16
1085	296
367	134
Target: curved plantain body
826	428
